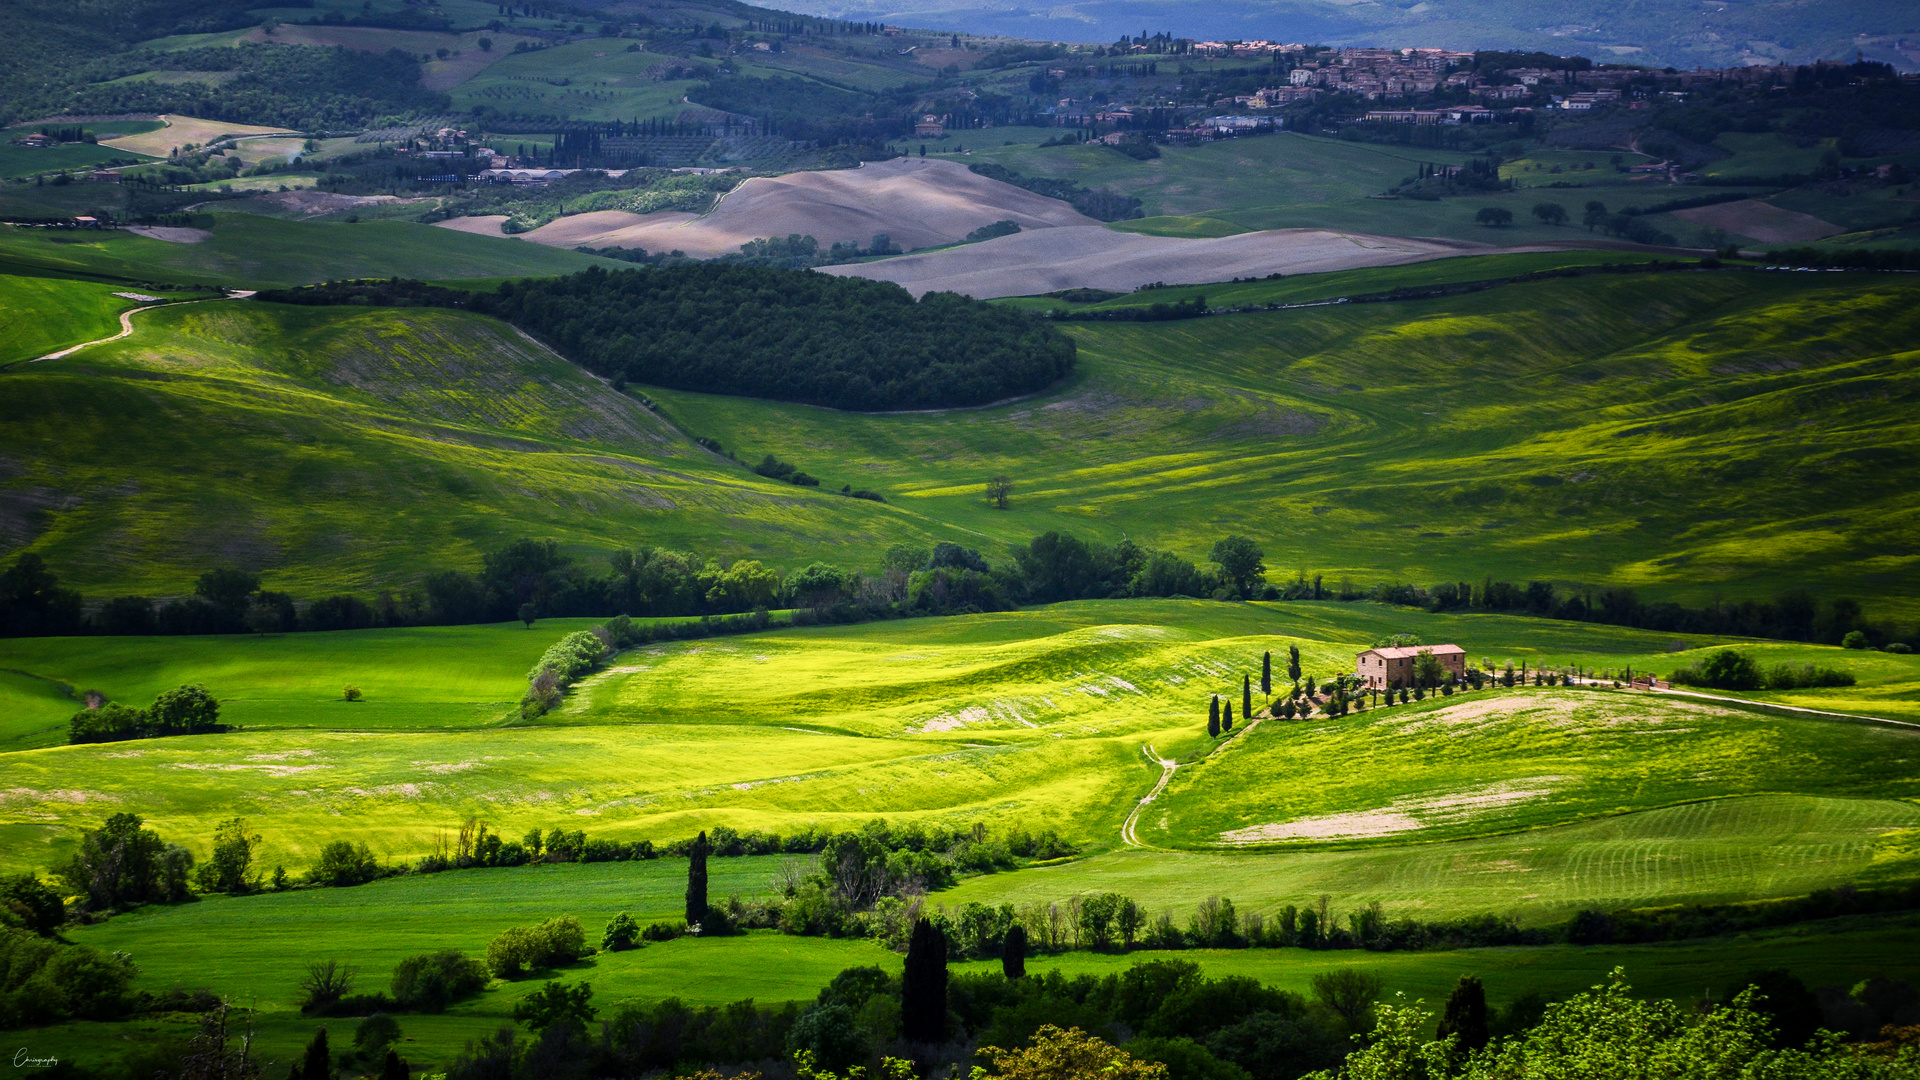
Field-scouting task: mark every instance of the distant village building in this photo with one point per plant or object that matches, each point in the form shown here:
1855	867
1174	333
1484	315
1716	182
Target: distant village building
929	127
1392	666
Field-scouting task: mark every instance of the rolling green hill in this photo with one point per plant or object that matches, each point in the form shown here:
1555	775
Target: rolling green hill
344	446
1751	427
1033	717
1686	434
1290	180
1012	719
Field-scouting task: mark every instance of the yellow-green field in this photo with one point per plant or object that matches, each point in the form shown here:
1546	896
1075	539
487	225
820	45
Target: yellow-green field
1038	718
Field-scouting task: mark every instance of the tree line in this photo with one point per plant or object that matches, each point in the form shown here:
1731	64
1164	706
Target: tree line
755	331
534	579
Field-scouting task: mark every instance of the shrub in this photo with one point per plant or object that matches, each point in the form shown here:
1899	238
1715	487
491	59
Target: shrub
1855	639
350	693
663	931
1724	670
430	981
509	954
621	933
342	863
1899	647
522	948
374	1034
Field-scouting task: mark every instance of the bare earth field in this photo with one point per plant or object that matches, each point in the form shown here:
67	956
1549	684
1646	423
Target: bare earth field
181	130
918	203
1095	257
1765	222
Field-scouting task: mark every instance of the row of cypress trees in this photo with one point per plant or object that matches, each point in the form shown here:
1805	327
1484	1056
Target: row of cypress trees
1220	715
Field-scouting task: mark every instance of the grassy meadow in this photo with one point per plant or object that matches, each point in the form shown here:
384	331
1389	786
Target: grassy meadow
348	446
1031	719
39	315
258	947
1289	180
1690	435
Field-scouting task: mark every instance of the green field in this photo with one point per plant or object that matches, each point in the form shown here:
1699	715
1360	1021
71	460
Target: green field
1293	181
1013	719
346	446
1614	430
1563	427
39	315
257	947
1318	288
252	252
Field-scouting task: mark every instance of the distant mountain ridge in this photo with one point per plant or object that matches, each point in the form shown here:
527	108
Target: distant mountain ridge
1680	33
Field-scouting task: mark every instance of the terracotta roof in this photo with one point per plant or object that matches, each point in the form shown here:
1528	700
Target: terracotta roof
1401	652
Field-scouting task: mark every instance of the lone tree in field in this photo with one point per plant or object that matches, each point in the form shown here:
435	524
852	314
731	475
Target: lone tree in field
1266	674
1466	1014
1246	696
1550	213
697	879
923	985
1213	717
528	613
1013	953
1240	562
999	490
1293	663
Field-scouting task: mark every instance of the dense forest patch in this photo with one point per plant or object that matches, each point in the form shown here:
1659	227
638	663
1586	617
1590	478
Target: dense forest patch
759	332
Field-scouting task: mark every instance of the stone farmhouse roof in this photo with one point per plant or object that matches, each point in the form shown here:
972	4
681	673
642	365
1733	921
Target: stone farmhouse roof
1402	652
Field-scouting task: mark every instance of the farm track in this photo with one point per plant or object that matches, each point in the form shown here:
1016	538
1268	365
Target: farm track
126	324
1128	828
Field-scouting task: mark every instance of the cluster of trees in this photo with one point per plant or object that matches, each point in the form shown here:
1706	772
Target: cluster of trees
1856	258
1795	615
427	982
1104	204
1730	669
1683	922
813	338
184	710
1628	226
43	981
302	87
519	949
755	331
1170	1018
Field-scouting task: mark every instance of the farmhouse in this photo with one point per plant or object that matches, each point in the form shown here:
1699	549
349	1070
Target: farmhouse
1383	668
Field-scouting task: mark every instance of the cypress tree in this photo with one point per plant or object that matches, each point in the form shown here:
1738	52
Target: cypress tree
318	1063
697	878
1266	674
1466	1014
1213	716
1293	662
923	985
1013	954
1246	696
1226	718
394	1068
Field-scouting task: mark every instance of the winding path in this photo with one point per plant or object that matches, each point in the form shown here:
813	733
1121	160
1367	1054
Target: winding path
126	323
1127	827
